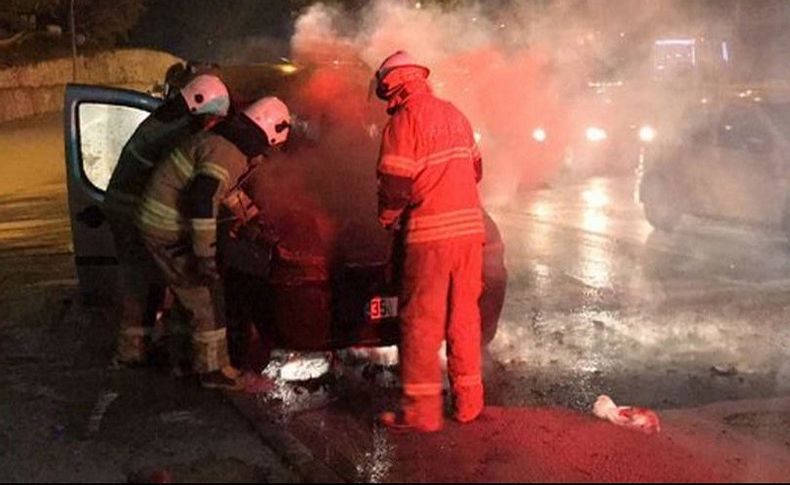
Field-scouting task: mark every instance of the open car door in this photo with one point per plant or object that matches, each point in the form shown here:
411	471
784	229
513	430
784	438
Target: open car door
98	122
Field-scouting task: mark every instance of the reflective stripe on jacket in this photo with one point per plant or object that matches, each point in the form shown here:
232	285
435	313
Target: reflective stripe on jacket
164	214
428	170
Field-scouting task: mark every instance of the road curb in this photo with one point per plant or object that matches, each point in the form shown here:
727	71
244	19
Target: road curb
292	451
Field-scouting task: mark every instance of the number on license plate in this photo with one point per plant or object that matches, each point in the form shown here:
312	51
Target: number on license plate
382	307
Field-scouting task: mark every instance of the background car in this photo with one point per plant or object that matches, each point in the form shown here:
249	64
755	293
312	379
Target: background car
727	160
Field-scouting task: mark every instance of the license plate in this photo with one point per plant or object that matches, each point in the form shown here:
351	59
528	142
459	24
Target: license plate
382	307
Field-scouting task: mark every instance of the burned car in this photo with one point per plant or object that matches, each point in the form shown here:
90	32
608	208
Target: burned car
316	275
728	160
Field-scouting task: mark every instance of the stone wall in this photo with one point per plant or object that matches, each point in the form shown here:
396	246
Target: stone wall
38	88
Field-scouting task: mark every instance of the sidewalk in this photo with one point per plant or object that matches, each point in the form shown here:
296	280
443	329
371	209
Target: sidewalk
64	416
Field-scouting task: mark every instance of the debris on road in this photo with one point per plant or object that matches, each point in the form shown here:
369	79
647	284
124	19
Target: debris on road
298	367
638	418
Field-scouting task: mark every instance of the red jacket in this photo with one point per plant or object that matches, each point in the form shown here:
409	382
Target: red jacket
428	170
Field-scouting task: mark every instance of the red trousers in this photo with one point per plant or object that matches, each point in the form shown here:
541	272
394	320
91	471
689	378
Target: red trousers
441	287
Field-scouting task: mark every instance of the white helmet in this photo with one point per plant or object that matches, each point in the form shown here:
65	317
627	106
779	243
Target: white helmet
396	60
272	117
206	94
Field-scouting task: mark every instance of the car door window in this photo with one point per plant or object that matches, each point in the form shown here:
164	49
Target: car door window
104	130
741	128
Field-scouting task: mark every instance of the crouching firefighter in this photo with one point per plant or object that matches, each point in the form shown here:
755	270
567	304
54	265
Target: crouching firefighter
199	105
178	221
428	170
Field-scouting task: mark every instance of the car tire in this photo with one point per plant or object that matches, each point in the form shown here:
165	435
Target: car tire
661	208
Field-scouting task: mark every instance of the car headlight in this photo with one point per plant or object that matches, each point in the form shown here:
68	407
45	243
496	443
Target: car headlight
647	134
595	134
539	135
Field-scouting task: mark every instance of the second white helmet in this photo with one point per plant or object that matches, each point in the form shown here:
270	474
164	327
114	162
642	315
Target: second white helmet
206	94
272	116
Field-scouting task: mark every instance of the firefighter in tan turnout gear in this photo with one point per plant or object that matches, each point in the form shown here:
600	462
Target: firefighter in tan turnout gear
428	171
201	103
177	218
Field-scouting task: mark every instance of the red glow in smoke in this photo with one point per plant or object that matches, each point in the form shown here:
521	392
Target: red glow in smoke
508	97
331	178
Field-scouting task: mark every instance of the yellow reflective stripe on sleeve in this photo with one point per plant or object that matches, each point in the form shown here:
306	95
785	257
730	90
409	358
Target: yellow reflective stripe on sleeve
184	164
158	215
150	220
160	209
215	171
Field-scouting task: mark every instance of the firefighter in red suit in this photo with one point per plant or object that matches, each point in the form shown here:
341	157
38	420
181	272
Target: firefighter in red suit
428	170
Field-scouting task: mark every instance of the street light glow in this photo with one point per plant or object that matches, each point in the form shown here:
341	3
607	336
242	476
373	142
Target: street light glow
647	134
595	134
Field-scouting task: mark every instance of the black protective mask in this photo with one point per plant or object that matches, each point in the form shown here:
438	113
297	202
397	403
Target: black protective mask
173	109
245	134
383	91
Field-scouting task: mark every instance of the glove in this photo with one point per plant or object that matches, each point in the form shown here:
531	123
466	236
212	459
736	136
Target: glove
207	271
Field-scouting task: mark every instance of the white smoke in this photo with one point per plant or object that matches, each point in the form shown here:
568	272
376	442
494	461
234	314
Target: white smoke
532	76
503	90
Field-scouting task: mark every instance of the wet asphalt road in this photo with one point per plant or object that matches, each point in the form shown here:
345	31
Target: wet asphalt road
599	302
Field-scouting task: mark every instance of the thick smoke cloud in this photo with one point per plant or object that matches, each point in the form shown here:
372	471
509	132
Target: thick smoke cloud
533	77
506	92
551	70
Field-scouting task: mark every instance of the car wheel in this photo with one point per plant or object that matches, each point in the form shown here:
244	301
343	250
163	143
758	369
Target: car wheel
661	207
495	277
